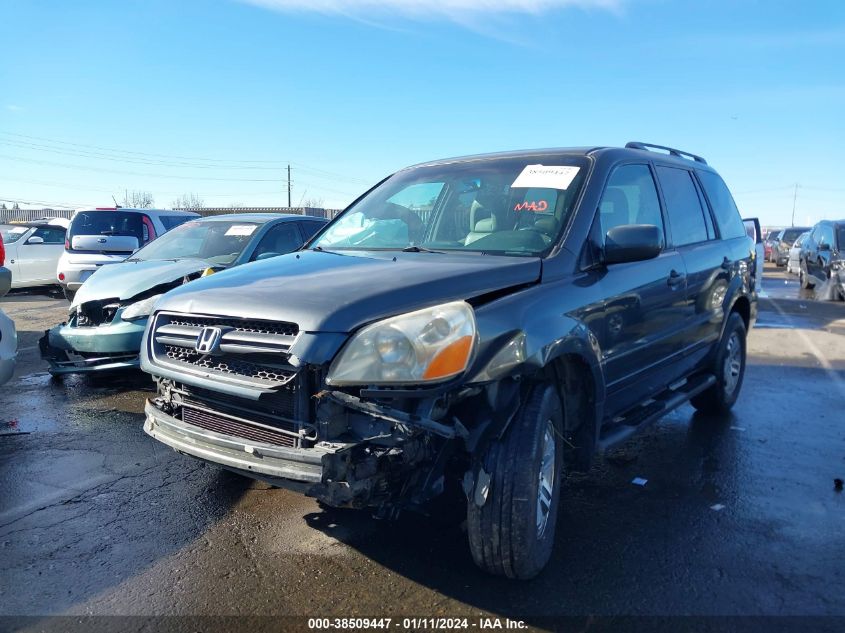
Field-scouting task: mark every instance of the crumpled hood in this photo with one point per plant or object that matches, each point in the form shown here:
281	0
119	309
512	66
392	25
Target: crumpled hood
127	279
339	292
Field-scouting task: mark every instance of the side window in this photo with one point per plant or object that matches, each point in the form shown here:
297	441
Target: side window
282	238
172	221
683	206
722	203
308	228
50	234
826	235
630	198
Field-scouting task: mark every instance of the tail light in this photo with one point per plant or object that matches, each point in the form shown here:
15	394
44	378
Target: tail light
61	276
67	244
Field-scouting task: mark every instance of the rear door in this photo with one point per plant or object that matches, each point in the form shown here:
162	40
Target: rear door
752	230
644	308
693	234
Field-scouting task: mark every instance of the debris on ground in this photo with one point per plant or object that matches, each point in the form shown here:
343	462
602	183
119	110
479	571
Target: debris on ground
620	458
837	484
717	507
639	481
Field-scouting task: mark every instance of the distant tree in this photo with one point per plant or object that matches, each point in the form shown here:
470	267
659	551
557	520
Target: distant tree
138	200
3	207
188	201
236	205
313	203
16	207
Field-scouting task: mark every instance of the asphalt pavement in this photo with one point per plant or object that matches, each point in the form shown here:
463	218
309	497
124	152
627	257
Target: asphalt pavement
739	515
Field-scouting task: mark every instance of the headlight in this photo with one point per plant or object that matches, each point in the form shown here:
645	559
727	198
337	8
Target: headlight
423	346
139	309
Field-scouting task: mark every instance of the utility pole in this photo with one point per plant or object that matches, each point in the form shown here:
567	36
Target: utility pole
288	186
794	200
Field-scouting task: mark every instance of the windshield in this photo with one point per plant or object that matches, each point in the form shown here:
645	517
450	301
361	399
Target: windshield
504	206
218	242
12	233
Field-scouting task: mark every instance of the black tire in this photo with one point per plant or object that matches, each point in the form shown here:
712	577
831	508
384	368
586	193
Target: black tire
802	276
505	535
69	294
728	368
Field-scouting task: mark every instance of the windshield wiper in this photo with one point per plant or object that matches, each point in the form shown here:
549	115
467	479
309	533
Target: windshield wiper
420	249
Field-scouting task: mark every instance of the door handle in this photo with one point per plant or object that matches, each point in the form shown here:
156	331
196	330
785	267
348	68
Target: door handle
675	279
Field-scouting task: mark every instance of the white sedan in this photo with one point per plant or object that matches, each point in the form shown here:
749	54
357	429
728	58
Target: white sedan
793	264
33	249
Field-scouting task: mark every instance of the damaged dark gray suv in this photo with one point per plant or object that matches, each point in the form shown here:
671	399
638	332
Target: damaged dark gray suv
478	325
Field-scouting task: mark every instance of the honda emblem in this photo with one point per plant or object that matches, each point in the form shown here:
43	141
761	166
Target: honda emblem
208	340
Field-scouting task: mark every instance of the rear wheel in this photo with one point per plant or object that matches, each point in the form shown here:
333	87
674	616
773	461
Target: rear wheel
802	276
512	533
729	369
69	294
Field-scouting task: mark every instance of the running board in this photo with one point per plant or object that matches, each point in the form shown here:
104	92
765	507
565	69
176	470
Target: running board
622	428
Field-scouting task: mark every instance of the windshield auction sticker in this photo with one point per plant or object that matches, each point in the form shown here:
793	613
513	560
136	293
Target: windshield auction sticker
546	176
241	229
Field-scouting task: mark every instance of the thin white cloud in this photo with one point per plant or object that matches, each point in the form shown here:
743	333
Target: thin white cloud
457	10
11	107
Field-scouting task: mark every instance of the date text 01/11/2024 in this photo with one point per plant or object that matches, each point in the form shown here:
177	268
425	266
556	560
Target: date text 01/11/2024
421	623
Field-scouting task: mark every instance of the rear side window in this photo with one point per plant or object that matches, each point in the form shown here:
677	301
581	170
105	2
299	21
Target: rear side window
51	234
723	205
840	238
683	206
172	221
630	198
279	240
309	227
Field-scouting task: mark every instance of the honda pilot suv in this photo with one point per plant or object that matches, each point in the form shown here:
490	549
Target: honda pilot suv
475	326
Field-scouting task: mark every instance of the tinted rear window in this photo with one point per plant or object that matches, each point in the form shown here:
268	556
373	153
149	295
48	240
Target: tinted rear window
686	217
790	235
840	237
107	223
723	205
172	221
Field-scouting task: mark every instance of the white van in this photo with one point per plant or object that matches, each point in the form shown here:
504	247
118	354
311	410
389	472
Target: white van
107	236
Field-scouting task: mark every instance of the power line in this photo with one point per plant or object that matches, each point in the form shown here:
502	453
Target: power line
146	158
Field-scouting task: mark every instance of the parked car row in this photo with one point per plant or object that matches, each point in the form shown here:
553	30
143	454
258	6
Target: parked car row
8	334
472	327
33	250
109	310
822	257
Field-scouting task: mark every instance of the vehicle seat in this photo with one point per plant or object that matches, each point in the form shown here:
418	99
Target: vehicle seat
547	226
482	228
485	217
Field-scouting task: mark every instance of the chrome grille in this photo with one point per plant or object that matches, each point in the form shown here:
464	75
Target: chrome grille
254	350
240	325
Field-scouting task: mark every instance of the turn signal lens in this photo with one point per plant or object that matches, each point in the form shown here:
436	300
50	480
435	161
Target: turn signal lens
451	360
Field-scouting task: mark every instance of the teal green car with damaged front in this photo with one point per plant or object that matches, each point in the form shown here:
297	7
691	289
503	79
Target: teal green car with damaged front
109	313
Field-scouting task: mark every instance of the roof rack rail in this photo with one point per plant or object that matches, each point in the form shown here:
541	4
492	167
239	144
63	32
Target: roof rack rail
672	151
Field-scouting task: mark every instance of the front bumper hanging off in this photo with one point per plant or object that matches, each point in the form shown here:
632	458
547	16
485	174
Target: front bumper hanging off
71	350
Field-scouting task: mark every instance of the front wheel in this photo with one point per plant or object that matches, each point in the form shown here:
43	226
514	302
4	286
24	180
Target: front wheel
512	533
729	369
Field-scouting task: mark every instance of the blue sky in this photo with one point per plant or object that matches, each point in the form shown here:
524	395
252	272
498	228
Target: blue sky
215	97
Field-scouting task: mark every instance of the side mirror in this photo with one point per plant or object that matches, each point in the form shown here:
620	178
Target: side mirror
822	247
35	240
632	243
